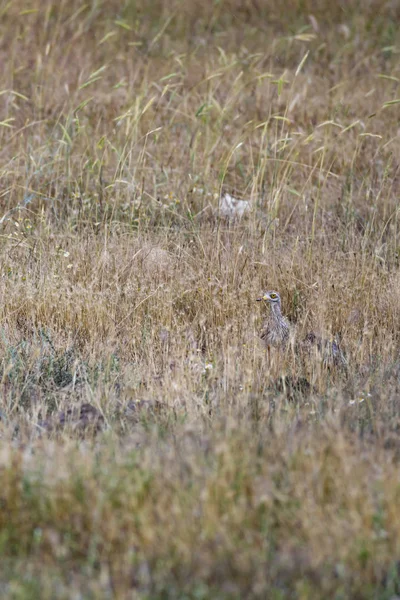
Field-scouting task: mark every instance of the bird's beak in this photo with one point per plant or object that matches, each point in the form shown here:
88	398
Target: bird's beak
259	299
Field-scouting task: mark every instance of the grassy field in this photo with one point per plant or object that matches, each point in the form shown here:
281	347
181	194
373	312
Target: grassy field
148	447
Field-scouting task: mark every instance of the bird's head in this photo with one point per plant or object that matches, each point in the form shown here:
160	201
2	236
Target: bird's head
272	297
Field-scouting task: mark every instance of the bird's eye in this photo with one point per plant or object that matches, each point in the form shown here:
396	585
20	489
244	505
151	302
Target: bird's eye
273	296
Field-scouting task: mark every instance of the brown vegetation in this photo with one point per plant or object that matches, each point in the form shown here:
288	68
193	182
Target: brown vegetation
147	447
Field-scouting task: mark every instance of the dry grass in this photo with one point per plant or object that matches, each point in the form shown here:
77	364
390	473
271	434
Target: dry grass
201	470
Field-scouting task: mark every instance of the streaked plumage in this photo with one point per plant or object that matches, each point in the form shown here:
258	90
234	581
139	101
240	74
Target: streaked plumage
276	329
329	352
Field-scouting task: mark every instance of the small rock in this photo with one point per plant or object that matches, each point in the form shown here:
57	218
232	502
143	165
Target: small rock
81	419
231	208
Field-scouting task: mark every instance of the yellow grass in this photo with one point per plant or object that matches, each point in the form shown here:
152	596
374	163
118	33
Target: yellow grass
203	470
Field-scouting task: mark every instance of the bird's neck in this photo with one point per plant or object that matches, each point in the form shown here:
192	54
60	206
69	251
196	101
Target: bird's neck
276	311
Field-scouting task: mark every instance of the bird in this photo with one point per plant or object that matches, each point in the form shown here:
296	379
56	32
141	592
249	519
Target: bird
276	329
330	352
